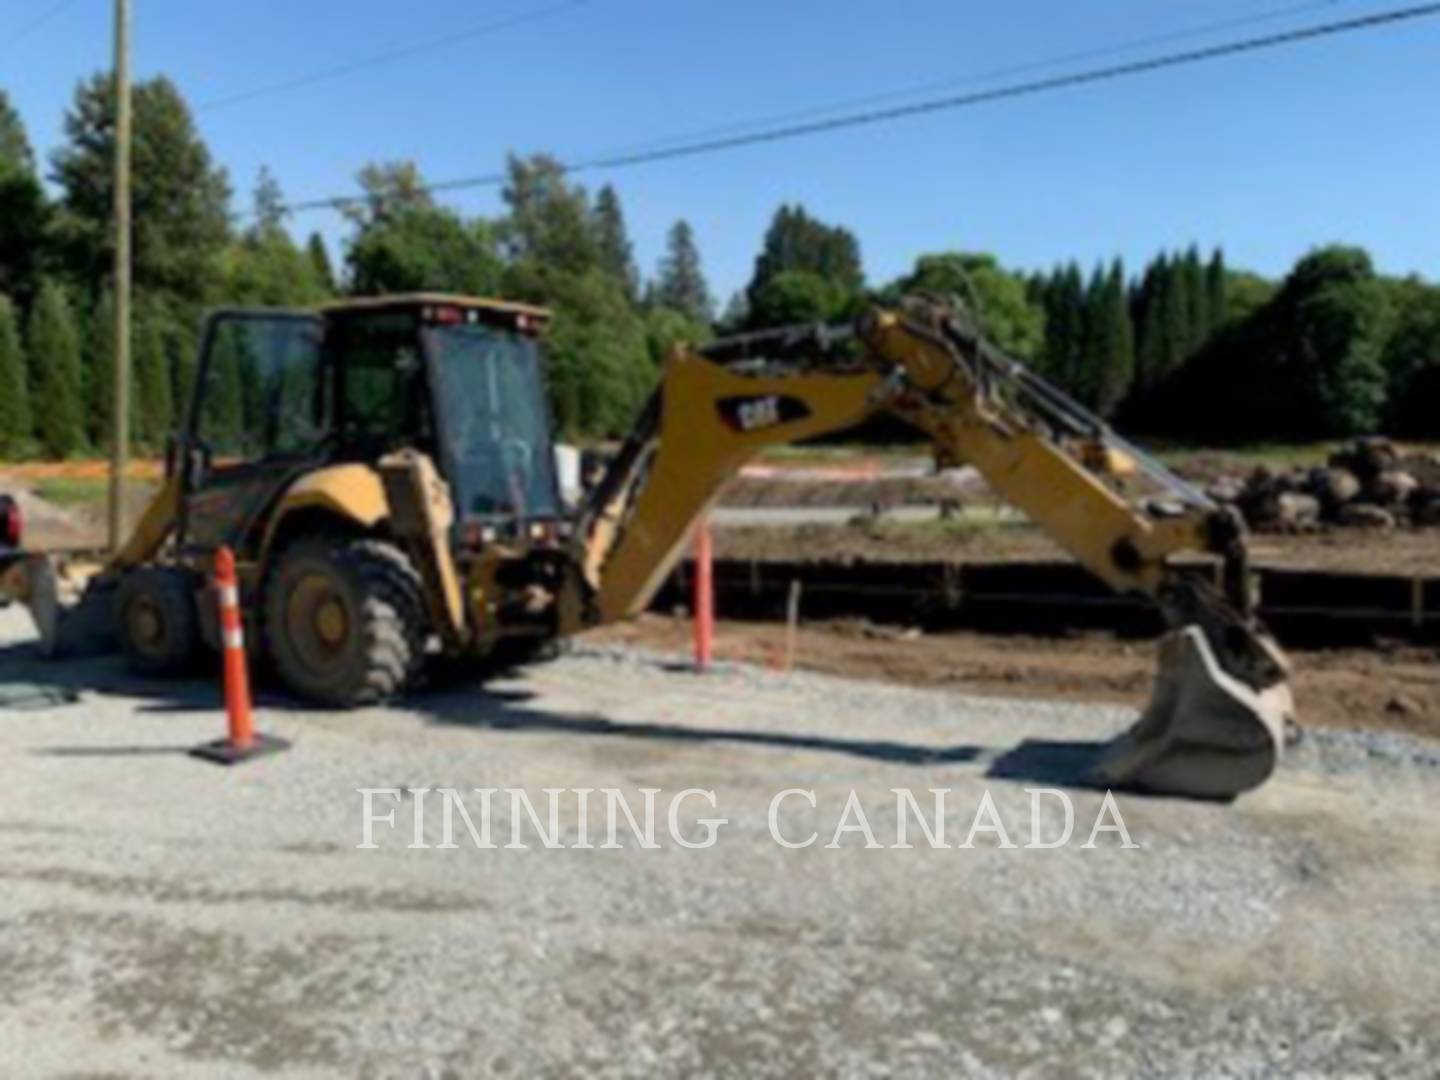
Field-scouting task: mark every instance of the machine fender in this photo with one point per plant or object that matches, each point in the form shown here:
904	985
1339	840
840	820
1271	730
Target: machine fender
353	493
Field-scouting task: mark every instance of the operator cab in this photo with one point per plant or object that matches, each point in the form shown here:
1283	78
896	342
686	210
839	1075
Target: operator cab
283	392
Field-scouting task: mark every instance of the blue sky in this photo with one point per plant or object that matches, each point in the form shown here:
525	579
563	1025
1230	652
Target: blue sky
1267	155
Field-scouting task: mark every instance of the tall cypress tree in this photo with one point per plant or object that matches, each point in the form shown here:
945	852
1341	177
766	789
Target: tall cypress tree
1110	338
681	284
15	418
1215	289
1174	319
320	262
100	388
54	349
1197	302
152	382
617	254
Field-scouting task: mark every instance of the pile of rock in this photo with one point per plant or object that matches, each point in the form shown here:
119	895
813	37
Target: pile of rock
1368	485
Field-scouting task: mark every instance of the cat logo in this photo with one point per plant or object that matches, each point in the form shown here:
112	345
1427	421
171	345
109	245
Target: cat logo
748	414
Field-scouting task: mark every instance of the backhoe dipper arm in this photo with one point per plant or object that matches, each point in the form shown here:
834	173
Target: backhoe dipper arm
1216	724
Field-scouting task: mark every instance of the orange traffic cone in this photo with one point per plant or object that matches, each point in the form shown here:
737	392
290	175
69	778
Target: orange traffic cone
242	743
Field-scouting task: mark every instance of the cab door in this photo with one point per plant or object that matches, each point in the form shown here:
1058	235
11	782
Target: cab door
261	415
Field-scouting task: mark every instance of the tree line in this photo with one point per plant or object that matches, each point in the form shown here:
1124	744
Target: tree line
1187	347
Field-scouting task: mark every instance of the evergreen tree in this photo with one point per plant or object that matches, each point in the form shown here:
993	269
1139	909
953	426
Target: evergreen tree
15	418
1215	290
1110	344
1175	310
319	257
54	353
153	411
181	197
268	203
100	383
617	254
1064	325
549	229
797	242
1197	303
24	212
15	152
680	284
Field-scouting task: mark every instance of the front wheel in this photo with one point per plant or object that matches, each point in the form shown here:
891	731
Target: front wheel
345	620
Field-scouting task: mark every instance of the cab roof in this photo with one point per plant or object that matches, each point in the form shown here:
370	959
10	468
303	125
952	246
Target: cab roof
483	305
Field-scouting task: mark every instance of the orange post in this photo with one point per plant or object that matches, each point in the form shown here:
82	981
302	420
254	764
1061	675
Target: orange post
242	743
232	643
704	596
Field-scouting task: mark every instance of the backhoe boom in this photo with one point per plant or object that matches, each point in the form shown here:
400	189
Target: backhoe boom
1216	724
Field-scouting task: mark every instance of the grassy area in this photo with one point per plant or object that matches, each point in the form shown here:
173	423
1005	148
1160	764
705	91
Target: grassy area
73	491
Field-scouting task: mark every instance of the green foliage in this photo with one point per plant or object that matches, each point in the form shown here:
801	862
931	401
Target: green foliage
24	231
54	354
681	285
15	416
599	364
550	228
181	198
15	152
665	329
421	249
998	299
1108	369
1334	312
154	406
612	238
99	384
1412	359
800	296
319	257
24	213
797	243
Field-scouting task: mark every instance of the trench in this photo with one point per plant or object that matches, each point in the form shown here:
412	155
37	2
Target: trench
1303	608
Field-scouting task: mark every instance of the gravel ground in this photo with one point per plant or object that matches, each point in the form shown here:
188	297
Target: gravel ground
163	917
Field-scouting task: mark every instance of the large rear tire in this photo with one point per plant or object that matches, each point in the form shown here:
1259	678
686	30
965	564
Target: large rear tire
345	620
156	620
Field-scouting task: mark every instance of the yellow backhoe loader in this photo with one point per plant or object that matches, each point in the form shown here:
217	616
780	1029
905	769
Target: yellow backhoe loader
385	471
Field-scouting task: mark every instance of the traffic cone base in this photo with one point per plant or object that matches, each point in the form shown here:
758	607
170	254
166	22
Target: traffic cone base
225	752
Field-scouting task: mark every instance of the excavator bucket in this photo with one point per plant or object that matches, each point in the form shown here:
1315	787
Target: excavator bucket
1205	734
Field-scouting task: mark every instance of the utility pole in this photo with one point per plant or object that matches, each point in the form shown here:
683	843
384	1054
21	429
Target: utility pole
120	416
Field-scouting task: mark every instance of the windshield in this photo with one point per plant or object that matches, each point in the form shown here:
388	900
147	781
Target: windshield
494	423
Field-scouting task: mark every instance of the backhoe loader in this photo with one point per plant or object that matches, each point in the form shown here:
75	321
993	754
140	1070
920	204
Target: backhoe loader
384	470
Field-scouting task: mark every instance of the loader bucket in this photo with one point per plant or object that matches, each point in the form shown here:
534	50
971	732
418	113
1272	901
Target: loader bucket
1205	734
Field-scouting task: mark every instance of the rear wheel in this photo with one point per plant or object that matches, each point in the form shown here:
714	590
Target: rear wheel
345	620
156	619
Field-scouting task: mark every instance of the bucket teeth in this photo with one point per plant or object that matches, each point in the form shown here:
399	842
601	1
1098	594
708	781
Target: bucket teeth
1205	734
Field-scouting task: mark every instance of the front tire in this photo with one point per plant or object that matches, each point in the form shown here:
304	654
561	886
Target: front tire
345	620
156	620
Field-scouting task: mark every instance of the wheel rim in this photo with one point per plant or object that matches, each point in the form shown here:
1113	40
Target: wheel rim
145	625
318	622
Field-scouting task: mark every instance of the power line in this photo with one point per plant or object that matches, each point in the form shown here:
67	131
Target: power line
987	76
935	105
391	56
35	24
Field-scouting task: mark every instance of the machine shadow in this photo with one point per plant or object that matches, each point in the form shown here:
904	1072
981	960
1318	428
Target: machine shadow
505	709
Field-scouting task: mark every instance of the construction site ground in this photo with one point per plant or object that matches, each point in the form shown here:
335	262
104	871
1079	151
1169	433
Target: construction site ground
164	917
